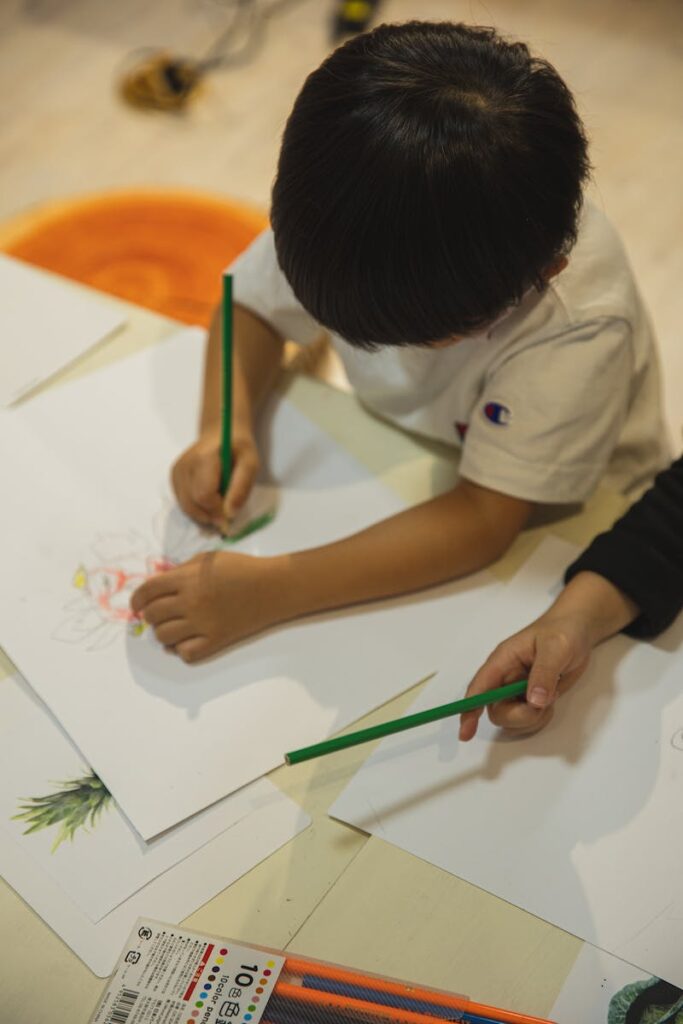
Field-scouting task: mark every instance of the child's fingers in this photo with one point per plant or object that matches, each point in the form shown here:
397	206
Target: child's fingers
182	478
518	716
161	610
193	649
241	482
195	511
468	724
163	585
205	487
552	657
502	666
172	633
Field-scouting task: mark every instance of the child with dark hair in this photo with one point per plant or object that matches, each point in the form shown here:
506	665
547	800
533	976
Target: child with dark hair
428	213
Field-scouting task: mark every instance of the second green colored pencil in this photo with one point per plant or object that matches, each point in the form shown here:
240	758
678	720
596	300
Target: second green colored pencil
375	732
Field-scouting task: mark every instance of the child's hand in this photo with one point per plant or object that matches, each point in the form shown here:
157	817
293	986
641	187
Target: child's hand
211	602
196	479
551	653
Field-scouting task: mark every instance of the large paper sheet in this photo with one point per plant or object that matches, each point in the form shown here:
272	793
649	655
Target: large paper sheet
45	323
257	821
581	824
89	514
59	814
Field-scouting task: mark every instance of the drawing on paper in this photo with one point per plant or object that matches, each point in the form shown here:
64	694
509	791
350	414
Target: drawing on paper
646	1002
119	563
77	804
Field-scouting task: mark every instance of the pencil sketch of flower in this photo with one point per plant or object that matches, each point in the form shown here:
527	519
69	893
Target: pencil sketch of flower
77	804
117	565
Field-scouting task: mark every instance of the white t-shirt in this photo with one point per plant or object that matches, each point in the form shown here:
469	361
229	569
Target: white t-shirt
560	393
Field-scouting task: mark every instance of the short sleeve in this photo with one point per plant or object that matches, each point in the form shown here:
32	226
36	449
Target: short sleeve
550	414
260	285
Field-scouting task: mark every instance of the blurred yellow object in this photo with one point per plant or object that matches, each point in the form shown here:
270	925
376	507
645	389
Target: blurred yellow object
162	82
357	10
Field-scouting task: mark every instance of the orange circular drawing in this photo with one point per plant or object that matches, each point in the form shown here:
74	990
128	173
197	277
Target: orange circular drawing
162	249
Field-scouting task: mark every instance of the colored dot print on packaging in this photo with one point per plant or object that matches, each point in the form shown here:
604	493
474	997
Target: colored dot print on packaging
224	952
247	1016
215	968
219	960
259	990
251	1009
256	999
212	977
266	973
199	1005
271	963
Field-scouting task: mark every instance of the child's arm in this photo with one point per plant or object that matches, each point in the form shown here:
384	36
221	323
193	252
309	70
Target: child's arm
196	474
449	536
552	652
215	600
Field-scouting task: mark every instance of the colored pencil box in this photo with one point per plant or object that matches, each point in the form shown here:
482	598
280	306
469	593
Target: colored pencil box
171	975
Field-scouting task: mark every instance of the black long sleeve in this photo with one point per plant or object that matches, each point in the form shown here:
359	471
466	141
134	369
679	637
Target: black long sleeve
642	554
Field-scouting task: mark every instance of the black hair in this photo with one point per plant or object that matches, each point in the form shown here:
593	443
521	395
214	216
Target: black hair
429	174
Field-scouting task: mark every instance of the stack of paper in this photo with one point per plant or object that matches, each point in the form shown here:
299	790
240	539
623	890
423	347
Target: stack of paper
580	824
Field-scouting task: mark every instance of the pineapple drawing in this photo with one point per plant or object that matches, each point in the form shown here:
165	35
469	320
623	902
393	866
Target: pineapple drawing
77	804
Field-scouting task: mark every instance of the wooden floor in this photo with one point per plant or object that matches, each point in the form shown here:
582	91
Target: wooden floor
64	131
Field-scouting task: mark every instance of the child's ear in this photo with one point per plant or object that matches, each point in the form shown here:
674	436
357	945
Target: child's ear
555	268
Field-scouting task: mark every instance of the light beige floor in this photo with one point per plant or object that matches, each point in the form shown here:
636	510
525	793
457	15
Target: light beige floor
63	129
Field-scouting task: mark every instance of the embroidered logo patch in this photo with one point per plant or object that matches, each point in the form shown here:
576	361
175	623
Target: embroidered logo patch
497	413
462	429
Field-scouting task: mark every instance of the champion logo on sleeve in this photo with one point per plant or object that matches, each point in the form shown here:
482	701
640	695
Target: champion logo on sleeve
497	413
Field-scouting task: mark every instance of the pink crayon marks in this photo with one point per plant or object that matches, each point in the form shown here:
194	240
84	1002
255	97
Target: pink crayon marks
102	608
117	564
111	589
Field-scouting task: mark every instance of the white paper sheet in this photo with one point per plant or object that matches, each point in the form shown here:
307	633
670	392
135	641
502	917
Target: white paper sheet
45	323
257	821
94	511
106	861
172	896
582	824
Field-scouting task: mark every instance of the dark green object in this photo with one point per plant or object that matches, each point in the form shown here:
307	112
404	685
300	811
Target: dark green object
375	732
226	351
251	527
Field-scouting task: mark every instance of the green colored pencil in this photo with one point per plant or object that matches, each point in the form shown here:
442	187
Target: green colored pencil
375	732
226	434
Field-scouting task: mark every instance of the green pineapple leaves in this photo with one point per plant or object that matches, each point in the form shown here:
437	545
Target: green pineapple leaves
76	804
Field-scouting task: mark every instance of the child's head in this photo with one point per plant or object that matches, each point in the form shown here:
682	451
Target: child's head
429	175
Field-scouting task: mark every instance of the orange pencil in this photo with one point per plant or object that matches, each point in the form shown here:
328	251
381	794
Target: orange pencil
300	967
